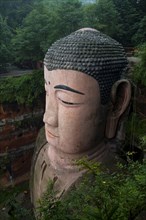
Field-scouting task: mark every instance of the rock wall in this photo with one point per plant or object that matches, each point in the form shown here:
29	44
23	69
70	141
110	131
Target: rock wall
19	126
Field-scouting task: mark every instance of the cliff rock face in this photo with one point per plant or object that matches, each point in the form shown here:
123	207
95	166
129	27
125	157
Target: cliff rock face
19	127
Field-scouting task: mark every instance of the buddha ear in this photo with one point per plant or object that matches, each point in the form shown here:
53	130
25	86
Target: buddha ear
120	98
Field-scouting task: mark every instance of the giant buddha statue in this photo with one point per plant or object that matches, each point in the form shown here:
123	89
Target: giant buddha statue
86	96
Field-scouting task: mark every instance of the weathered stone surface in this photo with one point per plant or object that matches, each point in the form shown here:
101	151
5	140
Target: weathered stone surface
18	131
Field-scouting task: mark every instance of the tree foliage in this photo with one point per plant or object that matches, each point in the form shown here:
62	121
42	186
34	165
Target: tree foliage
25	90
117	196
5	46
37	24
129	19
28	40
108	17
44	24
139	73
15	11
140	35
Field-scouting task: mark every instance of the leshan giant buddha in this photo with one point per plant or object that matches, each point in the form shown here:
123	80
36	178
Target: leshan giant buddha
86	94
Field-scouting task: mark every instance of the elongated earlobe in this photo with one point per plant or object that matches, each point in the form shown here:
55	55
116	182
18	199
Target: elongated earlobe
120	98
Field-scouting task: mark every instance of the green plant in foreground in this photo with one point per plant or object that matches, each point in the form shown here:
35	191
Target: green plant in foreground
100	196
15	203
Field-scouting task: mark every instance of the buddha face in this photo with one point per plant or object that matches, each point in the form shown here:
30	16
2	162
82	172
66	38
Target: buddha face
73	120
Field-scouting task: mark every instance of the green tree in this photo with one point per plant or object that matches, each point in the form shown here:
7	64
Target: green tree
129	19
140	36
15	11
5	47
139	73
101	15
140	5
28	38
108	17
91	18
44	24
69	16
12	13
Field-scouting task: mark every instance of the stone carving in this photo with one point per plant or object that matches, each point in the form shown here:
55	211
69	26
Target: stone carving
86	95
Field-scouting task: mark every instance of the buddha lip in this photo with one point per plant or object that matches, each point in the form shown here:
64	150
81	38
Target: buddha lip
50	134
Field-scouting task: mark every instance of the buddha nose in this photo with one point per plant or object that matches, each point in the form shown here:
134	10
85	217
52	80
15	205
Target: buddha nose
51	113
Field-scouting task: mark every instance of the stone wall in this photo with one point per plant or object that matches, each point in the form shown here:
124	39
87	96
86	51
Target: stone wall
19	126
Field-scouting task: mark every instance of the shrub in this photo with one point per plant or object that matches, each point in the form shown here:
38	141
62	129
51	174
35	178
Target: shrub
100	196
139	73
26	89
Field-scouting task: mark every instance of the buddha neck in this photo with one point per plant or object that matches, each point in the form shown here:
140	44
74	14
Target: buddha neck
65	161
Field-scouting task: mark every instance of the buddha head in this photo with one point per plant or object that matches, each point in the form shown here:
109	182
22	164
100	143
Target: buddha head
86	92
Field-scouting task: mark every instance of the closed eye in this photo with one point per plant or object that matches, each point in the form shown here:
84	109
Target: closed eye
69	103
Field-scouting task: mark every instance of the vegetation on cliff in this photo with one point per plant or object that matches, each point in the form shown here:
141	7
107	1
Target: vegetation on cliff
15	203
25	90
136	124
139	74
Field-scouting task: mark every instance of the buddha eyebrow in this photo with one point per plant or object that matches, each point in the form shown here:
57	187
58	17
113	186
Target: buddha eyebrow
68	89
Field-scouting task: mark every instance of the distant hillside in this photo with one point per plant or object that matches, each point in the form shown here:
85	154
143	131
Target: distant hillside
88	1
